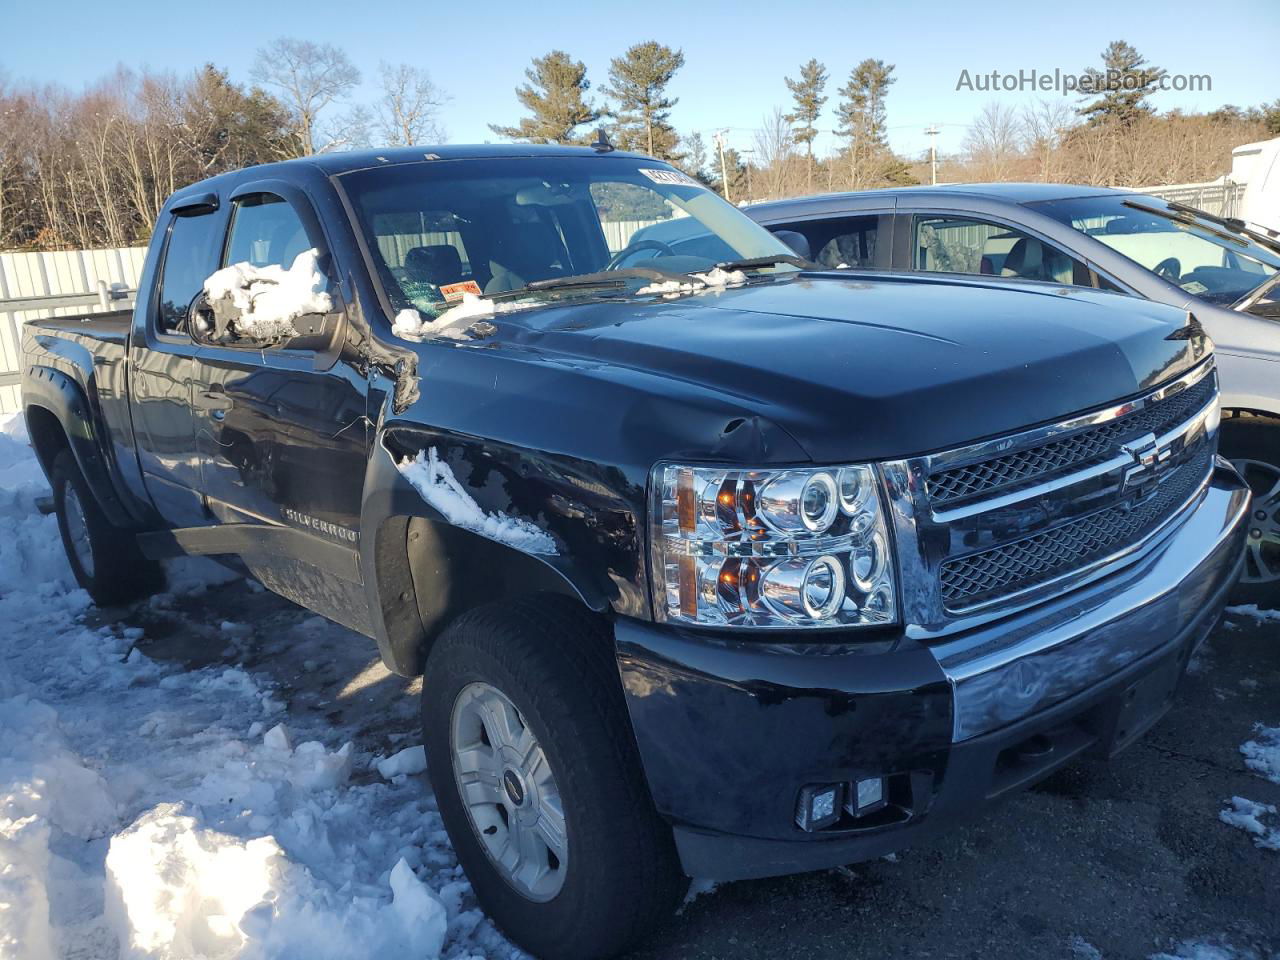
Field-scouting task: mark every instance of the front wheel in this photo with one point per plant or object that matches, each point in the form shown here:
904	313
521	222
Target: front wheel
539	783
1253	447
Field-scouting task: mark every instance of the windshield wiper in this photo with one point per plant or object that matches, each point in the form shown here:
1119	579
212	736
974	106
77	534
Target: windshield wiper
1231	223
602	278
1187	219
772	260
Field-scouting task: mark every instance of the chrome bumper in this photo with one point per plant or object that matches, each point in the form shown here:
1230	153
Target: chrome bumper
1012	668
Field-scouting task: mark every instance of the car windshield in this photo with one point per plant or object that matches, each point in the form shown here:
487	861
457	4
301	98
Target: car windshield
440	229
1204	257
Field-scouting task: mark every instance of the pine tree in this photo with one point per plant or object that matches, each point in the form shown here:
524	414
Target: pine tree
861	116
693	157
638	82
1125	84
807	93
555	97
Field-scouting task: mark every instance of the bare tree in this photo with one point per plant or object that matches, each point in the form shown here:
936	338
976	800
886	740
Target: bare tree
776	155
992	142
310	77
1044	127
409	109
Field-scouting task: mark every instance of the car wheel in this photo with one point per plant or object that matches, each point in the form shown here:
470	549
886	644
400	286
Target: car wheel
104	559
1253	447
539	783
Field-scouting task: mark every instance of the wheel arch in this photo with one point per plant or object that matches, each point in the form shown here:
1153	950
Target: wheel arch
422	572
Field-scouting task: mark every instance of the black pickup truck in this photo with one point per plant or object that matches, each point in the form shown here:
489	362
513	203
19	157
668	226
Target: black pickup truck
714	564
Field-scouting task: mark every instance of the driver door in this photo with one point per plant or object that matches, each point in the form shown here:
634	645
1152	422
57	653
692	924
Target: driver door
280	427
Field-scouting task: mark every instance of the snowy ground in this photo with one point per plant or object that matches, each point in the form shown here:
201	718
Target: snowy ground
217	773
174	784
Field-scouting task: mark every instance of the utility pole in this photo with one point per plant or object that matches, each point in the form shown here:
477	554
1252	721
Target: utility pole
932	131
724	173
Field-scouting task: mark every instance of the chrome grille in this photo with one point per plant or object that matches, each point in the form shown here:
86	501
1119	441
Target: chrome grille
1092	445
1012	567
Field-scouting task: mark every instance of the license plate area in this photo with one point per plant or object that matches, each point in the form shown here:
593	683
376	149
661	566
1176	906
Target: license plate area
1145	701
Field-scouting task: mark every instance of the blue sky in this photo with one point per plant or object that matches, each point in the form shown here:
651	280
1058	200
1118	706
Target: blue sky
736	53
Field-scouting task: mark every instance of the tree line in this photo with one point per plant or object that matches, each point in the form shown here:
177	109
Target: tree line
92	169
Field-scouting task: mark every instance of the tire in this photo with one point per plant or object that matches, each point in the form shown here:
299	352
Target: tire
553	662
105	560
1252	444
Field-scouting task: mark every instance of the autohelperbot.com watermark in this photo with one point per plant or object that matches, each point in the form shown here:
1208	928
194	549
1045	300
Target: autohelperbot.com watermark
1087	83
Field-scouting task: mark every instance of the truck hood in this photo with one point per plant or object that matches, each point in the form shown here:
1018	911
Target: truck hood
880	368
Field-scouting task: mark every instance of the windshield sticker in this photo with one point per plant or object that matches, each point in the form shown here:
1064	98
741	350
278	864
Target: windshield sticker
673	177
453	292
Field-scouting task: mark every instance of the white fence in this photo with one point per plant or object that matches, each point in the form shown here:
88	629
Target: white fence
1222	198
27	279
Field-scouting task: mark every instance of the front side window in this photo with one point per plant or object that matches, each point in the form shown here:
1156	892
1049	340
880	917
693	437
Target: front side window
265	231
438	230
967	245
1206	256
191	254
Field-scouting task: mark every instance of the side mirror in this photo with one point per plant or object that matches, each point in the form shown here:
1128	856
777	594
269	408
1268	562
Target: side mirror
797	241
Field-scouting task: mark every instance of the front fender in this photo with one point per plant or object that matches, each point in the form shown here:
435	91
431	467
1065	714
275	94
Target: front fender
422	570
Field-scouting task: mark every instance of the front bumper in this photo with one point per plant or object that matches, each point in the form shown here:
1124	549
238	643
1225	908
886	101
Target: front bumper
729	731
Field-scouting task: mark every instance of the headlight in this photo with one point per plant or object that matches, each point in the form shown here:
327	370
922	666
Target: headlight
770	548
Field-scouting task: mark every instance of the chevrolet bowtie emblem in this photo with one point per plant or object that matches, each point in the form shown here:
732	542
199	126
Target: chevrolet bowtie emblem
1148	456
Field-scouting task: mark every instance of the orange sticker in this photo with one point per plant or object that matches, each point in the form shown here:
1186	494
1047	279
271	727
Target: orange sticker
454	291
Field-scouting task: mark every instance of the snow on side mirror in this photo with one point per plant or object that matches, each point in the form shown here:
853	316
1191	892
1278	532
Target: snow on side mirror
268	305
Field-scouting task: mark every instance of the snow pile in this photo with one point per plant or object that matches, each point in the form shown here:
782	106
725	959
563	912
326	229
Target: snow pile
1247	815
180	890
717	278
146	815
1262	755
435	482
456	323
270	298
408	761
1252	610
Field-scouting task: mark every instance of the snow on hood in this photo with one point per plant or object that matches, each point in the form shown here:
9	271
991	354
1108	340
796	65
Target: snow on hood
456	323
698	281
437	485
270	298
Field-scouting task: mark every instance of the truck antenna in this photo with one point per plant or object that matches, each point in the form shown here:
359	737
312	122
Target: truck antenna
602	144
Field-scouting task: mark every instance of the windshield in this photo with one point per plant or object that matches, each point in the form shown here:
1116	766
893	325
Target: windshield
1203	257
440	229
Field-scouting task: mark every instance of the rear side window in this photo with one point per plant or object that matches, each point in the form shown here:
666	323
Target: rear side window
265	231
839	241
962	245
190	256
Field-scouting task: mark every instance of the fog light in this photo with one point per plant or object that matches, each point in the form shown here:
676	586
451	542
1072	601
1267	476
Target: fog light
866	797
818	806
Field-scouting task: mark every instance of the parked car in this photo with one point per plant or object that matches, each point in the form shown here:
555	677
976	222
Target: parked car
1115	240
712	566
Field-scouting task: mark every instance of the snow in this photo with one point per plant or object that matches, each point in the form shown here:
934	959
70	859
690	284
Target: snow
717	278
410	760
155	811
435	482
1082	949
1247	815
270	298
1262	755
456	323
1252	610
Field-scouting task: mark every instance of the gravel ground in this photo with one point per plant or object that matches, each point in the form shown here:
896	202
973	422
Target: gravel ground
1118	860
